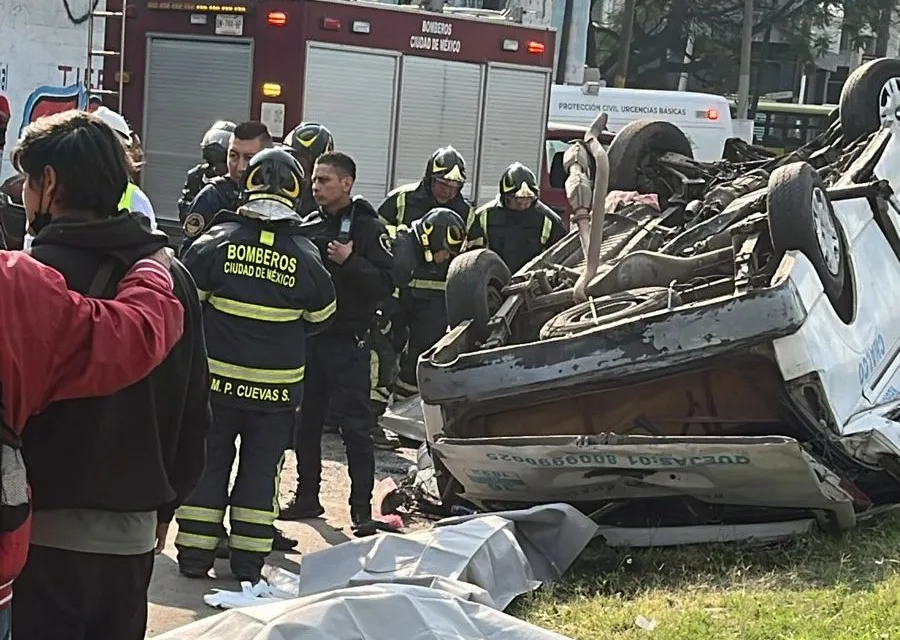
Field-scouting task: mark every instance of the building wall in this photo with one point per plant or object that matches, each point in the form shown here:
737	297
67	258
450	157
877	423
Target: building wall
40	46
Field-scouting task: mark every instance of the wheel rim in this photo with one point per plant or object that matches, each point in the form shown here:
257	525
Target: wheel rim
494	297
604	309
826	231
889	101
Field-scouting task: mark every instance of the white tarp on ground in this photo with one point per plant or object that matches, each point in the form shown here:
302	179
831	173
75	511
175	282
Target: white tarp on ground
371	612
505	554
471	564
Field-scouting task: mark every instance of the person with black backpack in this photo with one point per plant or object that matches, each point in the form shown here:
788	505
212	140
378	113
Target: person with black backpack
106	472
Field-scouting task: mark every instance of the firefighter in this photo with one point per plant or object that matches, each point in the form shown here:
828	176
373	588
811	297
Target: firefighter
441	186
422	254
265	290
517	226
307	142
356	250
221	194
214	150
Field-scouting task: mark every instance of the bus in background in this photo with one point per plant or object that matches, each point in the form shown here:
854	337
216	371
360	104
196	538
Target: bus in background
782	127
704	118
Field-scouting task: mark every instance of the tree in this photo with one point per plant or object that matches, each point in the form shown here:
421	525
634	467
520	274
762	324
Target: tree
662	28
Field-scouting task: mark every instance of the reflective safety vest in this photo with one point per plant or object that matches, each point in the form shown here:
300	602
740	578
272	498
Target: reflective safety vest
127	200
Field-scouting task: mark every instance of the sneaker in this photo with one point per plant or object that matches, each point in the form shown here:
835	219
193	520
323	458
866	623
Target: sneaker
301	510
381	440
281	542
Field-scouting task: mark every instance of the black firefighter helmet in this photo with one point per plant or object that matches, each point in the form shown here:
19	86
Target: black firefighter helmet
446	164
214	145
518	181
440	229
310	139
273	174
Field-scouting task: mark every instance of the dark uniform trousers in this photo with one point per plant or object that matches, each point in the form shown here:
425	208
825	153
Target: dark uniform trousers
422	320
337	377
253	500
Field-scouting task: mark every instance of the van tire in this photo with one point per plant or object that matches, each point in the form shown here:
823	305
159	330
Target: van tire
801	218
474	284
865	94
608	309
634	149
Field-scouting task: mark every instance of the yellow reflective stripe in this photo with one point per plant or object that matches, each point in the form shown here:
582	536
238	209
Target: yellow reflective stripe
253	311
432	285
266	237
322	314
204	295
391	230
246	543
395	293
276	495
475	243
259	376
253	516
483	221
127	199
401	207
196	541
380	394
200	514
546	230
471	217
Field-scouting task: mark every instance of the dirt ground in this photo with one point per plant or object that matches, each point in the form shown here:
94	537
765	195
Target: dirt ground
176	600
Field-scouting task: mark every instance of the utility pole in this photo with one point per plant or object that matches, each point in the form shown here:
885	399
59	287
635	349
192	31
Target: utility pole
625	42
743	101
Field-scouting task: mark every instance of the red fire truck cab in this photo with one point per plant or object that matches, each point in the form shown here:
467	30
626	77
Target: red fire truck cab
392	84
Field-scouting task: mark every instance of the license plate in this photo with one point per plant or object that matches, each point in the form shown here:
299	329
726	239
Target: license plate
229	25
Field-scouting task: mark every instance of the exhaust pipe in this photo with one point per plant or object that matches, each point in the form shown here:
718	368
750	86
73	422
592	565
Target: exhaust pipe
588	198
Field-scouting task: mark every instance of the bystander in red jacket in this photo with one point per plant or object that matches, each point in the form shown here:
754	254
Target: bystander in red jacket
56	344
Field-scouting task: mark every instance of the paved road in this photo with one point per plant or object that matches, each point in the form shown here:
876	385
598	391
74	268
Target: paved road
176	601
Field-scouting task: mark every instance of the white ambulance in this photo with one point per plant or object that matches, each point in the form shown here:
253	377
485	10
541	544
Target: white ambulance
704	118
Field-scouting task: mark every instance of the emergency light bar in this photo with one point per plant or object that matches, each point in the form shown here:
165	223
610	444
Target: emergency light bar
196	7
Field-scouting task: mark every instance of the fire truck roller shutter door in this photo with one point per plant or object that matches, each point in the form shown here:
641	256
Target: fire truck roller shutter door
510	108
221	73
450	91
335	80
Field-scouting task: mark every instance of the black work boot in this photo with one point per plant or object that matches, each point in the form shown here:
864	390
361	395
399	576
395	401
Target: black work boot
301	508
360	514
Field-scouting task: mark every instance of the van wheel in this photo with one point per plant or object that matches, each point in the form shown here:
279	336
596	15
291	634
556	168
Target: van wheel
633	154
607	309
801	218
870	97
475	281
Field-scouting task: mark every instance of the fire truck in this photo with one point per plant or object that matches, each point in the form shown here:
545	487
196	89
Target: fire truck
392	83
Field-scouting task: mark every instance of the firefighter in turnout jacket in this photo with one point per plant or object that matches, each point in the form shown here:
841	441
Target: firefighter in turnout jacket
306	142
214	150
441	186
423	253
517	226
264	290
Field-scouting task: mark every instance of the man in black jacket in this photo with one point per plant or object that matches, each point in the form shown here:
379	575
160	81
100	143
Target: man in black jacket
107	472
221	193
356	250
